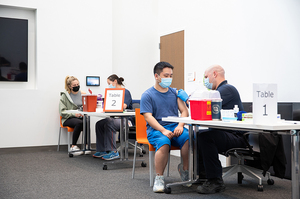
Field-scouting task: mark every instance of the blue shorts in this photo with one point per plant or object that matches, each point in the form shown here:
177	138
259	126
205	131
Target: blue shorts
157	139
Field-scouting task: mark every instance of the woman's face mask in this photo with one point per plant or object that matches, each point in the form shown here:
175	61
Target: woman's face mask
111	83
165	82
111	86
76	88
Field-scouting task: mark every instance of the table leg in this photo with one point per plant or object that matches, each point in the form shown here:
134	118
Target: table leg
295	163
125	119
121	140
88	136
191	152
195	149
84	132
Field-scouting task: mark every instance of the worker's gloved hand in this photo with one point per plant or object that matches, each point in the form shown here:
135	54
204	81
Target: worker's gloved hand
182	95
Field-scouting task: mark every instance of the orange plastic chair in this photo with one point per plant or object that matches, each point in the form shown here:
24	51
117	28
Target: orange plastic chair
70	130
141	137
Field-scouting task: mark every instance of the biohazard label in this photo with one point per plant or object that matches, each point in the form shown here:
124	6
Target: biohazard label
208	110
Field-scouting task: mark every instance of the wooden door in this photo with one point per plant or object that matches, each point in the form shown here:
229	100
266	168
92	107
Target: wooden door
172	51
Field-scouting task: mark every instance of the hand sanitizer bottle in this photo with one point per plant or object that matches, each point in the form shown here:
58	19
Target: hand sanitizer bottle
236	110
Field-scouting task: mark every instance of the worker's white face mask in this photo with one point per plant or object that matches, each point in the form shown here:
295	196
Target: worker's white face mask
111	86
207	84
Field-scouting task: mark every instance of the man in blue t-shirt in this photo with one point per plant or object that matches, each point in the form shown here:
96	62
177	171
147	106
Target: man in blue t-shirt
161	101
210	142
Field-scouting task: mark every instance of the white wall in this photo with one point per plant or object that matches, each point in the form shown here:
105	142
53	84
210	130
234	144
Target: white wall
73	38
135	43
255	41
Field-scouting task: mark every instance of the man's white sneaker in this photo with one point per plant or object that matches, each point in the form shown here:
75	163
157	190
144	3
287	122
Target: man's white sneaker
159	184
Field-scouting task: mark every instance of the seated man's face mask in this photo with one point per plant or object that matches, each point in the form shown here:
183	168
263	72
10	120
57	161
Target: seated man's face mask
207	84
165	82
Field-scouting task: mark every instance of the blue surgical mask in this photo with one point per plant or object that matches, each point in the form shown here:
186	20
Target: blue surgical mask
207	84
111	86
165	82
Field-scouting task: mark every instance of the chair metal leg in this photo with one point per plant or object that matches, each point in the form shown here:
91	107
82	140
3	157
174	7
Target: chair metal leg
231	171
134	159
68	141
59	139
249	171
132	145
168	165
225	169
138	147
151	167
251	174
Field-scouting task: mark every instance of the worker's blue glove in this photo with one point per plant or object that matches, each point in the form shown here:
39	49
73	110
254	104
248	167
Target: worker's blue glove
182	95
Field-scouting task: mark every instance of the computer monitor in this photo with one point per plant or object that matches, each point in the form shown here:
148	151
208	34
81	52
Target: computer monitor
92	80
13	49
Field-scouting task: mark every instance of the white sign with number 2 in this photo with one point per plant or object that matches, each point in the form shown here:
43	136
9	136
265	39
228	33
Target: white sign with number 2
114	100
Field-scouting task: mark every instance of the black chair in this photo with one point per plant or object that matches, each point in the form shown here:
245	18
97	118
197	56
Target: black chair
296	115
244	154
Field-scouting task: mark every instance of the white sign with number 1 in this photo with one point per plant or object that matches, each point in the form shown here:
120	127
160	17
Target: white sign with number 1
264	103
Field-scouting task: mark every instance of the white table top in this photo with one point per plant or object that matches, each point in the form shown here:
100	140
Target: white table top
280	126
100	113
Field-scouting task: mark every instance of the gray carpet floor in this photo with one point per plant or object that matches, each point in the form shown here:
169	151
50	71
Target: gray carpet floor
45	173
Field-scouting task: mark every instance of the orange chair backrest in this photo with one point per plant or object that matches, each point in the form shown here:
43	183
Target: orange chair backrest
141	129
140	124
61	123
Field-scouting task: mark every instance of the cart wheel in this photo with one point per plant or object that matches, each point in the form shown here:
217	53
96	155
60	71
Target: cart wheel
143	164
260	188
143	151
270	181
70	155
167	190
240	177
105	167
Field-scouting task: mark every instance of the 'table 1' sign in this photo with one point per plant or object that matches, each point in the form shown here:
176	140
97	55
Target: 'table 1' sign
264	103
265	94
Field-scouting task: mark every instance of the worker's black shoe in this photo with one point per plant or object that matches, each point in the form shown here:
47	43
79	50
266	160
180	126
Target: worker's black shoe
214	185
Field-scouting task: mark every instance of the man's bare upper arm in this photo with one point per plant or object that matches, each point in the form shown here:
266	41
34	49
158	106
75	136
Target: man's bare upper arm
182	108
147	116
